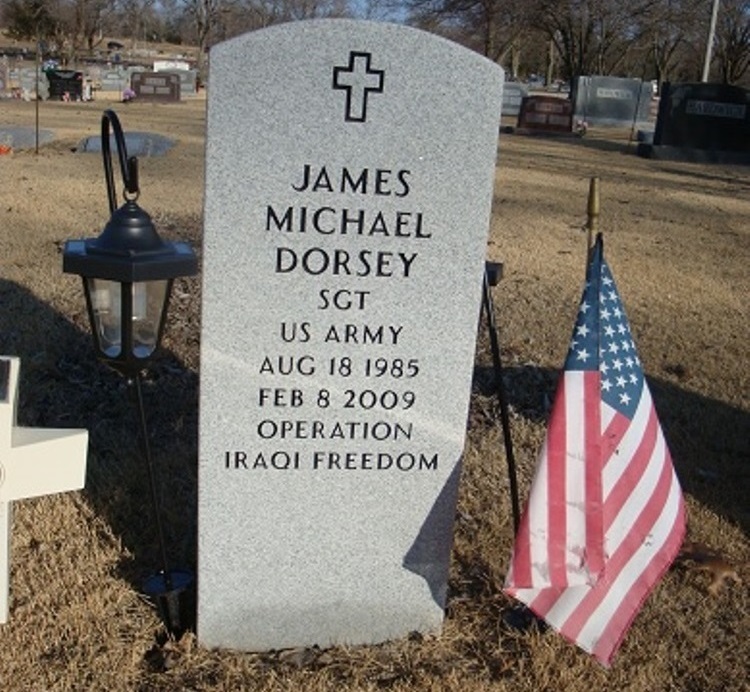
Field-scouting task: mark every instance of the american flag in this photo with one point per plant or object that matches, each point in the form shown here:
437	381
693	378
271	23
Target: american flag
605	516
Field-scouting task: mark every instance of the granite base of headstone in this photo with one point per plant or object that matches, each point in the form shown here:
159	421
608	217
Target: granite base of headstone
703	123
349	178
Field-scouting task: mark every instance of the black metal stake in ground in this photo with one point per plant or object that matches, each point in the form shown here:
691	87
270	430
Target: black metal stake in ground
127	278
135	385
491	277
518	617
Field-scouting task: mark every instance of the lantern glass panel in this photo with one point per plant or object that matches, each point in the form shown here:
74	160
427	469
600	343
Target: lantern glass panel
149	299
105	297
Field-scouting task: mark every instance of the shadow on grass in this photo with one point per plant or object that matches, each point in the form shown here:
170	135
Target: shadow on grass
62	385
708	439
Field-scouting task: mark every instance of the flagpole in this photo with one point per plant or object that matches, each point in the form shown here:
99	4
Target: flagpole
710	41
592	221
491	277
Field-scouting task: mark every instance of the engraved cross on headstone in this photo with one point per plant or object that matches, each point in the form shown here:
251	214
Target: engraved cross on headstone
33	462
359	80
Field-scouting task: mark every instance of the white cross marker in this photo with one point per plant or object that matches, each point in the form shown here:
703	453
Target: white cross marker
33	462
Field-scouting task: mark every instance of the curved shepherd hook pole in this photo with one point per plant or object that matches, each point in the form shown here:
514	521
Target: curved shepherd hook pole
167	586
128	166
127	276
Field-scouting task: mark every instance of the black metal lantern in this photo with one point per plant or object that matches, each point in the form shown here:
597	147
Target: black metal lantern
128	270
127	277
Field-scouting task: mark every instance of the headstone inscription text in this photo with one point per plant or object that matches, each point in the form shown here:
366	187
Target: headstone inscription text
348	189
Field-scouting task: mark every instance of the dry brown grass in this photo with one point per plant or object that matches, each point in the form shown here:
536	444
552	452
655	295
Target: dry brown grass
677	237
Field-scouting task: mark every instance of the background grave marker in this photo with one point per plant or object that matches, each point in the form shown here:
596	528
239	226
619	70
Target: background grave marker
65	84
613	101
702	122
543	113
348	191
513	95
156	86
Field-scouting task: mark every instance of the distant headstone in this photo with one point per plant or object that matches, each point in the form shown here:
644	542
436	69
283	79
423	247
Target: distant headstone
545	114
513	95
33	462
156	86
613	101
702	122
65	85
349	179
188	81
116	79
25	80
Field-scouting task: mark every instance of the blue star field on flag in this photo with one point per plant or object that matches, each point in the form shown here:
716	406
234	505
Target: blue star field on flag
602	339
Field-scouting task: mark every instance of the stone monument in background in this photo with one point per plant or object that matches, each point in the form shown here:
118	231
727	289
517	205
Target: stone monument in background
708	123
349	179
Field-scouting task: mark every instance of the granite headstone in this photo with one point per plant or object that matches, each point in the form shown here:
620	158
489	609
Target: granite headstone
29	81
702	122
612	101
349	179
156	86
115	79
65	85
513	95
545	114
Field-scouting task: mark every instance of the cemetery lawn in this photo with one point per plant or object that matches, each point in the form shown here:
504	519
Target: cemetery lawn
677	238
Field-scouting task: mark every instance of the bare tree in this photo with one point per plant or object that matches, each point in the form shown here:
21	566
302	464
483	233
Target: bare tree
667	36
30	19
733	40
495	28
208	21
204	16
135	17
68	26
590	36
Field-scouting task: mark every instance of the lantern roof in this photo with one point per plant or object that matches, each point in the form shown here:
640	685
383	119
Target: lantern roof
129	250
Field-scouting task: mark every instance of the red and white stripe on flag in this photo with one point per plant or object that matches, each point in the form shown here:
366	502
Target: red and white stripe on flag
605	516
